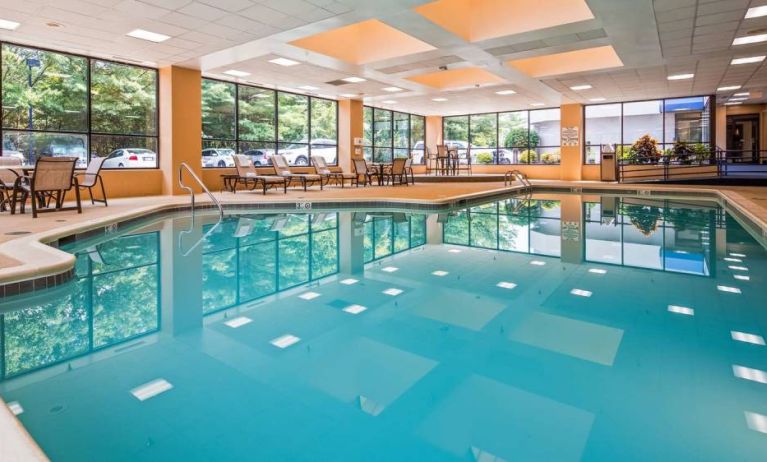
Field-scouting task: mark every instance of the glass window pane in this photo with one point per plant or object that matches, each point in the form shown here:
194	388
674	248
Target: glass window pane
401	232
125	151
256	113
642	118
260	152
367	126
31	145
401	130
218	108
324	122
123	99
43	90
602	126
382	128
258	270
544	133
383	234
456	229
417	138
513	134
293	117
457	130
687	120
324	253
116	317
218	153
330	153
219	280
484	130
418	230
382	155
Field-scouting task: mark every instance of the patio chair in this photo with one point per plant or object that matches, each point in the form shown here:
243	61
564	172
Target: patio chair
247	174
10	178
282	168
92	176
430	161
399	171
53	178
443	160
321	168
458	166
361	169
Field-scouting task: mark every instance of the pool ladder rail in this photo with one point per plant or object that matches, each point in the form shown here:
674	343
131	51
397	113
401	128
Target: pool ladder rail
181	168
511	175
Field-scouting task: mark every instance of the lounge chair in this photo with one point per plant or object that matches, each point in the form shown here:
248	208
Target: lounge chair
321	168
53	178
92	176
247	174
282	168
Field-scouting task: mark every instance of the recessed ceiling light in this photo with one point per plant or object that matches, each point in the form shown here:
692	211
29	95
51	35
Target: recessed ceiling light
392	89
536	104
506	285
750	39
737	99
756	12
581	292
389	101
308	87
349	281
680	76
353	79
147	35
283	62
285	341
8	25
309	295
729	88
151	389
505	92
389	269
735	103
745	93
748	60
596	100
580	87
439	100
681	310
747	338
732	290
236	73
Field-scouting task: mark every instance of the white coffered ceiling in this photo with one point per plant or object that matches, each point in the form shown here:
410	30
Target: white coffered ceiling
653	39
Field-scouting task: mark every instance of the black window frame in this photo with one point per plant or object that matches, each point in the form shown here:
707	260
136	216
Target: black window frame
373	145
498	144
89	133
238	142
662	143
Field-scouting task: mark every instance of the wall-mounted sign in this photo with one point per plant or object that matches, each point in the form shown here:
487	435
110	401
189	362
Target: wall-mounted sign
571	231
358	141
570	136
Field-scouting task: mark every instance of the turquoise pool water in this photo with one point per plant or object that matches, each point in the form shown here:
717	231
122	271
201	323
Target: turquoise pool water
554	329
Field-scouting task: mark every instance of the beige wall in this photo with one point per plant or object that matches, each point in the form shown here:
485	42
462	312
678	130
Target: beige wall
572	156
349	127
433	132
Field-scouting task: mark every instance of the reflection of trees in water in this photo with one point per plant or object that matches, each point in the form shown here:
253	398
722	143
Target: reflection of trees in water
386	235
646	217
114	298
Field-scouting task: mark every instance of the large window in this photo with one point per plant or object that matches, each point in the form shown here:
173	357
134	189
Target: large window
390	233
56	104
390	134
521	137
260	122
667	121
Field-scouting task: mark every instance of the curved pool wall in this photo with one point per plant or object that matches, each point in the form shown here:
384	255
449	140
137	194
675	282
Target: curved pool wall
131	316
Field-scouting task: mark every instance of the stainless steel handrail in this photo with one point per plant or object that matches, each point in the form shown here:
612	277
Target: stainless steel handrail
509	176
185	166
181	168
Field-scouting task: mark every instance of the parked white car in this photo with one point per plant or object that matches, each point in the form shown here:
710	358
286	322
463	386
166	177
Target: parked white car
131	158
218	157
298	154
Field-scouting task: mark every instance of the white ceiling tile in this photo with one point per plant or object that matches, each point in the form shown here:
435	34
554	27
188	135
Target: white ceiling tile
202	11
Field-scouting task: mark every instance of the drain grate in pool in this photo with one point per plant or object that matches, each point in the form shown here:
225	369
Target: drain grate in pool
18	233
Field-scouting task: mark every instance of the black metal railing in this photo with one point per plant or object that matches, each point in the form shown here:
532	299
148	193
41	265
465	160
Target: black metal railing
701	161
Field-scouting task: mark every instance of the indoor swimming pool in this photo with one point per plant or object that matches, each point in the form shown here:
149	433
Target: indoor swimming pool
548	328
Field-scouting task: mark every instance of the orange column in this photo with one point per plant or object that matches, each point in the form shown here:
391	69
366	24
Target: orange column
433	132
572	156
180	125
349	128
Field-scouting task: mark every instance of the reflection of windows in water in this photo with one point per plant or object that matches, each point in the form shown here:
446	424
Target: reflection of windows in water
113	299
259	255
390	233
515	225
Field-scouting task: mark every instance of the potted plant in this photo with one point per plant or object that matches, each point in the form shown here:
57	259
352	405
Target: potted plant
683	153
646	149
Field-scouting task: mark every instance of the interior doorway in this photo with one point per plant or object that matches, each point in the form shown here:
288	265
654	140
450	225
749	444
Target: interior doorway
743	137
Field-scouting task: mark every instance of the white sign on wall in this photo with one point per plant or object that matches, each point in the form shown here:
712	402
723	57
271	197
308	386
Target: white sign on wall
570	136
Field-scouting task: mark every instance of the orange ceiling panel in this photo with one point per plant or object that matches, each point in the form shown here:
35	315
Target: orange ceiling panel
588	59
457	78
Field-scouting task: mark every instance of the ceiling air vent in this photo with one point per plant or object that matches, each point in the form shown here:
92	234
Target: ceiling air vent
338	83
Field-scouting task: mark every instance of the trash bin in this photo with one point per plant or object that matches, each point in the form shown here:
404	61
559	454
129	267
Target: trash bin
608	163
